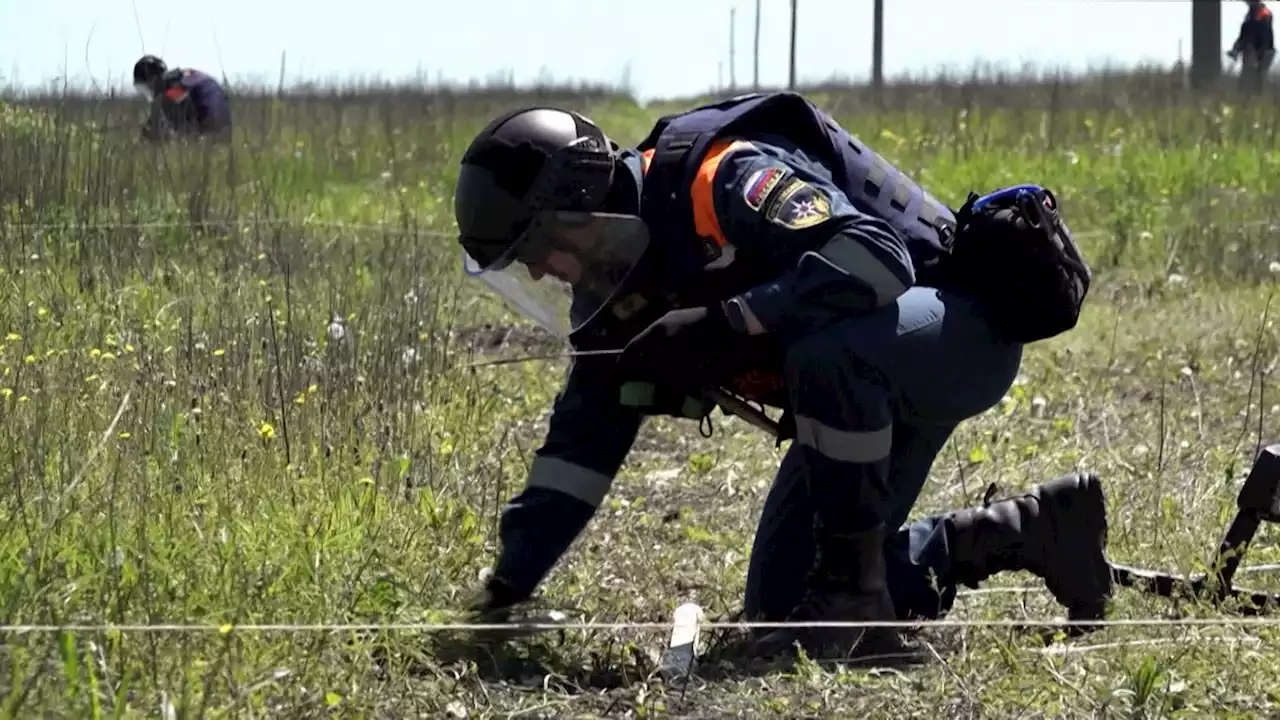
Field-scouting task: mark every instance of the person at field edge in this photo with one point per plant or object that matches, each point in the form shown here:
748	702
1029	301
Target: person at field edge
1255	45
754	246
184	102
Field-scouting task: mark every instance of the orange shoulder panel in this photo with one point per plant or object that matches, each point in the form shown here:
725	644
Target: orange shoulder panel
176	93
646	158
705	221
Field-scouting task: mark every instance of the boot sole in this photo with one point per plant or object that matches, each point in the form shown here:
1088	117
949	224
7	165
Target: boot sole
1078	498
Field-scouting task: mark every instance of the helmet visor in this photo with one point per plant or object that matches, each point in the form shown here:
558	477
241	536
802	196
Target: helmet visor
566	267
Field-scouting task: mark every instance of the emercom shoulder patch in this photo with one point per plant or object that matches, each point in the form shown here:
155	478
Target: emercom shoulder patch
760	184
798	205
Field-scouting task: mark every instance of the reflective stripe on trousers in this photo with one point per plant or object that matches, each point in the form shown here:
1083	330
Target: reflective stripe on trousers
849	446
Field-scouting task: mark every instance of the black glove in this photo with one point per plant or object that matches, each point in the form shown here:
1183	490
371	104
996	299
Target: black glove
494	605
494	601
676	344
491	604
152	132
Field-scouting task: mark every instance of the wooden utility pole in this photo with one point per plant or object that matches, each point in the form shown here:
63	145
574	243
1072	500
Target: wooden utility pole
877	45
1206	42
755	52
791	78
733	65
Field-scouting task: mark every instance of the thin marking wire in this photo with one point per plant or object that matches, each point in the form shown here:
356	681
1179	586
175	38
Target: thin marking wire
227	628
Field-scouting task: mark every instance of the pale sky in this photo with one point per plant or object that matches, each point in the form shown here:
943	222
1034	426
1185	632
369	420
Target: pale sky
577	39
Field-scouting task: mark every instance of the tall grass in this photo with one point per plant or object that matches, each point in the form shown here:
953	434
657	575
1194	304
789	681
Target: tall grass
233	385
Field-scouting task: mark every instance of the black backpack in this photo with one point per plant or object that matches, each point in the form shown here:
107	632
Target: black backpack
1013	252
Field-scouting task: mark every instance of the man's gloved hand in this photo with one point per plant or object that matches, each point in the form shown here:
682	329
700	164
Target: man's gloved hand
149	131
676	343
494	601
491	604
494	604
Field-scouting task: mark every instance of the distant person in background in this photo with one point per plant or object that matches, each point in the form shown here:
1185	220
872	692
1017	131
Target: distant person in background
184	102
1255	46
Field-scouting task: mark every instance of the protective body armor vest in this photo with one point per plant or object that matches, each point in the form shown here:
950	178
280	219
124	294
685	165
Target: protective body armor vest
872	184
677	145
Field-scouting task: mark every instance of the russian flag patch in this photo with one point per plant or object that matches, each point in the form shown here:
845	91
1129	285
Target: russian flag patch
760	184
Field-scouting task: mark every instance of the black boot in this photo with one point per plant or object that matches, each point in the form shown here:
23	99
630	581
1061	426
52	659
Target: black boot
1057	531
847	584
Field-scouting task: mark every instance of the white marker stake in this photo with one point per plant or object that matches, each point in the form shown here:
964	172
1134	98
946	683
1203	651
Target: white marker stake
683	647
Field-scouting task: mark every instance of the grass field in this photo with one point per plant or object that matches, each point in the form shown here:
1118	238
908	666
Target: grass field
231	393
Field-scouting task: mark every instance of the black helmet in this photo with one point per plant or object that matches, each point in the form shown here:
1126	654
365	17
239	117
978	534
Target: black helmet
525	162
533	187
148	71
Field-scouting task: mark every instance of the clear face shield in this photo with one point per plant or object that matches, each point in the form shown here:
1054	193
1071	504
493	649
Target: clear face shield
571	261
566	267
143	90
